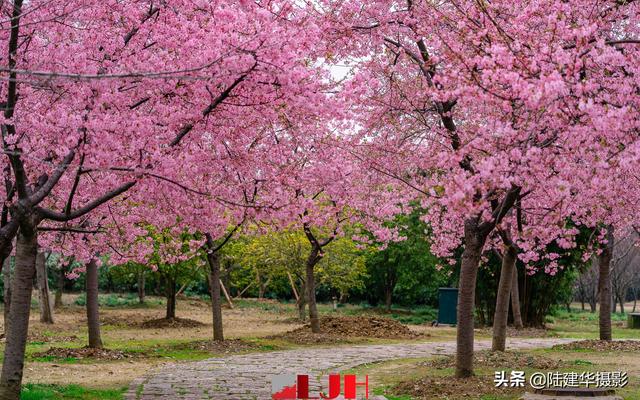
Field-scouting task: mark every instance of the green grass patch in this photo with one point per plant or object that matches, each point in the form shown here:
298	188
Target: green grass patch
68	392
264	305
113	300
61	360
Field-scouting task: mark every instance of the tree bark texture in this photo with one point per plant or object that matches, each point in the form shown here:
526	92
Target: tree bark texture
93	314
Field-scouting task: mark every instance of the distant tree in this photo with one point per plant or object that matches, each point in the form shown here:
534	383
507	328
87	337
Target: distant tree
625	267
176	262
279	259
406	270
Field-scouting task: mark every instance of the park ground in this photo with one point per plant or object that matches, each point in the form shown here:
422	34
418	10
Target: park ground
137	344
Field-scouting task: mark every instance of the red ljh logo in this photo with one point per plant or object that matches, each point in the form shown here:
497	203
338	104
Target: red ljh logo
296	387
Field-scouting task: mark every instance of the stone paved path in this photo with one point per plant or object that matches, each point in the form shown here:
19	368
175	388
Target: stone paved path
248	376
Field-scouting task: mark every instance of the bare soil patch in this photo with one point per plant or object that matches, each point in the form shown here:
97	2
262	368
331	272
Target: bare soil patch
83	353
498	360
171	323
601	345
345	329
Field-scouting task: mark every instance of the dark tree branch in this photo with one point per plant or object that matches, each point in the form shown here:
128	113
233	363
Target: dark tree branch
62	217
72	229
74	188
46	188
212	106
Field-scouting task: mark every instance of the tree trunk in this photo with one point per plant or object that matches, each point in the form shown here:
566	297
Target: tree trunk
46	313
621	299
16	339
170	293
93	316
501	314
6	278
474	242
582	303
141	284
301	304
604	284
59	290
313	259
592	306
388	295
515	300
214	285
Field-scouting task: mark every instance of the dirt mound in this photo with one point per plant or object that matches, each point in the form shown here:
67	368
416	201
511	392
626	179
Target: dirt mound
362	326
224	347
84	352
498	360
448	387
601	345
171	323
344	329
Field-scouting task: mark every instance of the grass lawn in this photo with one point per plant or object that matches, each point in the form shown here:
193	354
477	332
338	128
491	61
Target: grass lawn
384	377
69	392
584	325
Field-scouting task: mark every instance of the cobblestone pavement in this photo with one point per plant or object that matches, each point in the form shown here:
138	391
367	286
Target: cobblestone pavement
248	376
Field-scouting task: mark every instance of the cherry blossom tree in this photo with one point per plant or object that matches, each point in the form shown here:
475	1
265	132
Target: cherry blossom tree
481	108
103	97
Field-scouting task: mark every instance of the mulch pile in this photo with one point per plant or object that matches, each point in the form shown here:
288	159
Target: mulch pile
601	345
84	352
225	347
449	387
171	323
346	328
499	360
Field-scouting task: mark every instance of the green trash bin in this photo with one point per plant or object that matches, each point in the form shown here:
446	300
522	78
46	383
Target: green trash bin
448	306
633	321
